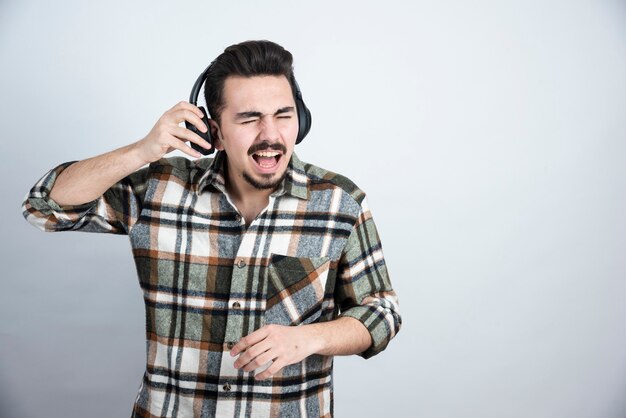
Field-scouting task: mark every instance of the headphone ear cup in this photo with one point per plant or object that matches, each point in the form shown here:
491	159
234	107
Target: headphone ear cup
204	135
304	119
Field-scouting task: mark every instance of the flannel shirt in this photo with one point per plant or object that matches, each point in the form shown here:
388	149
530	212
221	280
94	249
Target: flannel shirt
311	255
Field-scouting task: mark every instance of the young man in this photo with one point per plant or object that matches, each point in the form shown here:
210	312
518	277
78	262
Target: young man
256	268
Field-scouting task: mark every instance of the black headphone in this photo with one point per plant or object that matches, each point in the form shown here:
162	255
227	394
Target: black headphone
304	115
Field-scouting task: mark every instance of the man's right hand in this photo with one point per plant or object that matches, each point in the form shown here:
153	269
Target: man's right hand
167	134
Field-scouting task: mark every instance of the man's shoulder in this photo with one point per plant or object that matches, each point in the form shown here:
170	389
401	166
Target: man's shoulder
180	163
322	179
181	167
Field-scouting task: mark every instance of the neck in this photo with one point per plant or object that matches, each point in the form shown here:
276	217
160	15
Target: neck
249	200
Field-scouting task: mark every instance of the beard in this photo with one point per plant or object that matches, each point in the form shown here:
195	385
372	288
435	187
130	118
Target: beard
266	181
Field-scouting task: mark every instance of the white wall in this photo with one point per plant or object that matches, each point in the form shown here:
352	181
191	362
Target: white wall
489	135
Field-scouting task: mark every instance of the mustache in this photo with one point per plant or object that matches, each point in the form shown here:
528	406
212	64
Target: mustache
262	146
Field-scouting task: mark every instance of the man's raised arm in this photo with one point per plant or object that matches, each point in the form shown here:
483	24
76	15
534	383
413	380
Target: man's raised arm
87	180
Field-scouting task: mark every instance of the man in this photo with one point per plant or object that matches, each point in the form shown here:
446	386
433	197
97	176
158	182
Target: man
256	268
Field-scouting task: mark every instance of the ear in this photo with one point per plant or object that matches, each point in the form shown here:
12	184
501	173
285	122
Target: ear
216	135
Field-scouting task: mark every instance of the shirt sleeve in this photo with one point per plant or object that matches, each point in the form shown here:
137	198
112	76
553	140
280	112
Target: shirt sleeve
365	292
115	212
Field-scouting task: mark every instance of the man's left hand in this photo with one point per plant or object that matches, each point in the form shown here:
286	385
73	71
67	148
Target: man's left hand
282	345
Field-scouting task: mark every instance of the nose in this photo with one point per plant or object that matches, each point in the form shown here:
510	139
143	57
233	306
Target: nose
269	130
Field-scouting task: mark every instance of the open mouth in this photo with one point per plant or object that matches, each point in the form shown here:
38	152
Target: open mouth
267	159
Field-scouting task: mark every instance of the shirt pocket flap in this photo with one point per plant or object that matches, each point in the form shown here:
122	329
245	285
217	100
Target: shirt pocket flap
295	289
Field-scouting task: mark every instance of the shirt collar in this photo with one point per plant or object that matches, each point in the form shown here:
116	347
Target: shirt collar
295	182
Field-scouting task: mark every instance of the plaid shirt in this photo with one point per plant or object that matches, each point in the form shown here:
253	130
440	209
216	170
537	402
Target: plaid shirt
311	255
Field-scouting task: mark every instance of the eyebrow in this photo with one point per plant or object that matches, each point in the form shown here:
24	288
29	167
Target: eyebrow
256	114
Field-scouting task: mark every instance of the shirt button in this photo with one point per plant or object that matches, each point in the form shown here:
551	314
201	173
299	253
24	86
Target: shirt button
236	305
226	387
230	345
241	263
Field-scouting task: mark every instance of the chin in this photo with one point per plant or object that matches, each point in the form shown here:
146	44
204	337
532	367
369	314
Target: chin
265	181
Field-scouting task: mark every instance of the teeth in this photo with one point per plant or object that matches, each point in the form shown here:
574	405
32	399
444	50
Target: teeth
267	154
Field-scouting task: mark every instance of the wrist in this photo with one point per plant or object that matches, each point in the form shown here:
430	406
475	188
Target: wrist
135	155
318	342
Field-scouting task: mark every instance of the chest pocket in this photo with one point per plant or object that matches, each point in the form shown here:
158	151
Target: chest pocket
295	289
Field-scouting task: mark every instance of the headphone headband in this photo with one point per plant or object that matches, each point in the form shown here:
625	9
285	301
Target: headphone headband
195	91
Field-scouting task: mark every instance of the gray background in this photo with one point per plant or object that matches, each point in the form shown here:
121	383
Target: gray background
489	135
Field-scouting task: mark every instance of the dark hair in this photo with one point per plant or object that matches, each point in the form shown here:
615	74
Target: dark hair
246	59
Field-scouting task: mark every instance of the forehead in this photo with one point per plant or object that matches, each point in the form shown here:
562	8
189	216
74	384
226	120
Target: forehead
259	93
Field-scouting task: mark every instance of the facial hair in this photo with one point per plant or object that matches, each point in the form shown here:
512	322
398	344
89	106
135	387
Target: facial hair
266	183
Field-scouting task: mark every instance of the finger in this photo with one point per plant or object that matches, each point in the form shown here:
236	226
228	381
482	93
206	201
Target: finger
261	360
248	341
186	115
188	106
181	146
185	134
274	368
252	353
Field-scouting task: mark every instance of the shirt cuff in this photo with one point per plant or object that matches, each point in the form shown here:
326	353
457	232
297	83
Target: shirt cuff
375	318
39	204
